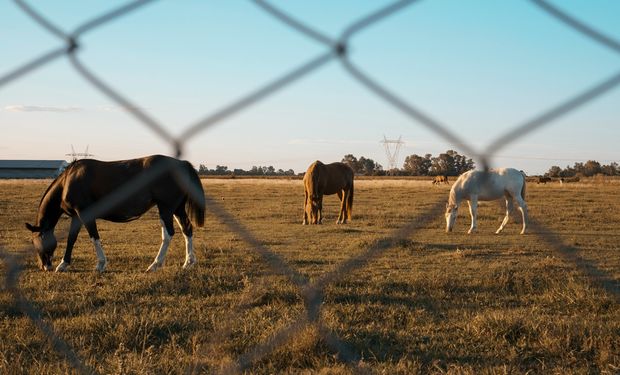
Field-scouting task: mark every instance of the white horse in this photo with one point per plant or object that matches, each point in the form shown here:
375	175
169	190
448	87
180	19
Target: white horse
487	186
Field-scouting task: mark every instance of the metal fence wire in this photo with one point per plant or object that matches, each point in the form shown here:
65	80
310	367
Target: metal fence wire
336	48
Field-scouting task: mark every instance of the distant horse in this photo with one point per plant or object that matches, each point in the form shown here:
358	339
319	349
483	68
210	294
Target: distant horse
543	180
325	179
487	186
440	179
85	185
569	179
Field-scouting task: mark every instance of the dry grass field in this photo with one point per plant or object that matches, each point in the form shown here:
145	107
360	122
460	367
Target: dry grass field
416	302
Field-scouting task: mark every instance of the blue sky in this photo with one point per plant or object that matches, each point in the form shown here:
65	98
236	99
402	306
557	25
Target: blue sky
479	67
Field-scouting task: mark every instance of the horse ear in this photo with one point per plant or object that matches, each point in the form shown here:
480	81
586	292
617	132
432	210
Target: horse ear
33	228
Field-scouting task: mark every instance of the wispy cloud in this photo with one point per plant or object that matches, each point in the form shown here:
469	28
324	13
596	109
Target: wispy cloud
116	108
68	109
37	108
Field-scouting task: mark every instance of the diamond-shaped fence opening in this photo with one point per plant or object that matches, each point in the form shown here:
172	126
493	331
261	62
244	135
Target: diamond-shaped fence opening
336	48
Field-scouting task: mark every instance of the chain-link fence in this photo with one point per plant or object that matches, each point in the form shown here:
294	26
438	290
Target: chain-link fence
335	48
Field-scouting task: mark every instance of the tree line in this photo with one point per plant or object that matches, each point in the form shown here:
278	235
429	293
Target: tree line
449	163
587	169
222	170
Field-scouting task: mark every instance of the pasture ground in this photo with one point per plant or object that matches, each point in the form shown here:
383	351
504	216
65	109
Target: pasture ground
429	302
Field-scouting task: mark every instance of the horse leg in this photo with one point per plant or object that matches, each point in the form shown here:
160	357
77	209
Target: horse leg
509	208
305	221
74	230
320	210
349	202
102	262
473	211
523	209
167	231
341	214
187	230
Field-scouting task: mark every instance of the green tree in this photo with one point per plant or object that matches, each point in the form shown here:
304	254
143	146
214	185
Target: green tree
416	165
368	167
591	168
554	171
352	162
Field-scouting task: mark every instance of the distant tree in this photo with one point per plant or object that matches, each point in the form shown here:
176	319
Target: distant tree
442	164
462	163
591	168
202	169
221	170
352	162
368	167
269	171
568	172
255	171
611	169
579	168
554	171
450	163
416	165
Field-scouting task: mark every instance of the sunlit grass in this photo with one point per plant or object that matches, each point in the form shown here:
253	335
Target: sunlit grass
428	303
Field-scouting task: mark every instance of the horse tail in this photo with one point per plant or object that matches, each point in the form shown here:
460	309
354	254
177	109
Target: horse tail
523	187
195	198
350	202
316	178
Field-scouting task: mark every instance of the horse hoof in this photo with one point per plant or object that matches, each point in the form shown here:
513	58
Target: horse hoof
62	267
189	264
153	267
101	266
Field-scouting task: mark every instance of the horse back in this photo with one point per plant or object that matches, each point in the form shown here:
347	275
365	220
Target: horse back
87	181
492	185
339	176
326	179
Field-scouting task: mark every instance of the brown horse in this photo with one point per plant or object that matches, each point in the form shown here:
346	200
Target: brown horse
325	179
119	191
440	179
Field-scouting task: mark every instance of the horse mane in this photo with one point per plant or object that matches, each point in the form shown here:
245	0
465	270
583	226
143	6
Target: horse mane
452	197
524	183
56	180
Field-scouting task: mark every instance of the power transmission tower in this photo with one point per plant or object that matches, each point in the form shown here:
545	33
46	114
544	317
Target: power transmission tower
78	155
392	147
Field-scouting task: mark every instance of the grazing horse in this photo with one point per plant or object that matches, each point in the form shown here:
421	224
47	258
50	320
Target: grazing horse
543	180
440	179
569	179
87	190
487	186
325	179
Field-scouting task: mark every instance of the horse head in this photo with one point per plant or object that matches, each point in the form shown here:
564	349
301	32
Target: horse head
45	243
451	213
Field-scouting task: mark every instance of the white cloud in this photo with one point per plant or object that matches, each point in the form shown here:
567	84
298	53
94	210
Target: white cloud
68	109
36	108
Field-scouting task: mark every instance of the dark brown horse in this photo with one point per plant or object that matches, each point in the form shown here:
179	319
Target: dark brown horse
325	179
119	191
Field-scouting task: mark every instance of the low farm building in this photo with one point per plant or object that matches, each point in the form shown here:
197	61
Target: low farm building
31	168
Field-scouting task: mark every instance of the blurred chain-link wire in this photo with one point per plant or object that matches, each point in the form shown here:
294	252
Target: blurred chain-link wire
336	48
